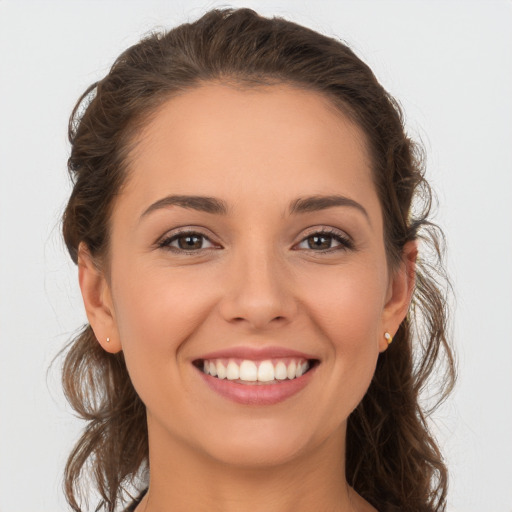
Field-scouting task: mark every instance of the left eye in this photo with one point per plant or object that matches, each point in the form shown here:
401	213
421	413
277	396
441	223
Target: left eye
187	242
324	242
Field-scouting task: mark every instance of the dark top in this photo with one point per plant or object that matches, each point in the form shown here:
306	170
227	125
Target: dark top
133	505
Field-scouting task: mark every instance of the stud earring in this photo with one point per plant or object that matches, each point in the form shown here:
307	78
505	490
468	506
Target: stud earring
108	340
388	337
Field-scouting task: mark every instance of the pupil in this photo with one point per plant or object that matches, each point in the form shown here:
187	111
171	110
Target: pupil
319	242
190	242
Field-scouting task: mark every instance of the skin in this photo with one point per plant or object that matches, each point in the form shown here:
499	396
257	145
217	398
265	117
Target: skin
256	281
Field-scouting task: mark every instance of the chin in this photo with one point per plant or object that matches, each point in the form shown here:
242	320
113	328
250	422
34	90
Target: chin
262	443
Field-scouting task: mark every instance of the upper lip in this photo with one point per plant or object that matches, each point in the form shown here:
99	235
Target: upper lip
256	354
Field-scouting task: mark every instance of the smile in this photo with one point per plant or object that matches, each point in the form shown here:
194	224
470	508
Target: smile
256	372
256	380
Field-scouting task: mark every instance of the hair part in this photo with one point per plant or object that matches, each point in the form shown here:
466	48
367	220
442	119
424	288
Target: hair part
393	460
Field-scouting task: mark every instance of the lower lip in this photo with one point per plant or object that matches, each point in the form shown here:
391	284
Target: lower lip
257	394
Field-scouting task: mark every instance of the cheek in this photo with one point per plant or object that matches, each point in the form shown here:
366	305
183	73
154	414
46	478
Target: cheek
340	309
347	304
156	312
157	306
347	309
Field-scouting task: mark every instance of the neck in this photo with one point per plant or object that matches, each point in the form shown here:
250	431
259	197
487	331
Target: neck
183	479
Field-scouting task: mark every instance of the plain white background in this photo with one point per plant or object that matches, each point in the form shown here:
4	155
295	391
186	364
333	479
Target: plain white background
450	65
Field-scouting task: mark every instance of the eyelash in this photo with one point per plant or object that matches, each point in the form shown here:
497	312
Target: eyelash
344	242
166	242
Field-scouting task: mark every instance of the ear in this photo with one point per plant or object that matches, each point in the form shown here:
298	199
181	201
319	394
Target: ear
399	293
97	301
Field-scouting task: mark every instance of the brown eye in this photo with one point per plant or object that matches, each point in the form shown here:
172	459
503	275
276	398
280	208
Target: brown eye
325	242
319	241
187	242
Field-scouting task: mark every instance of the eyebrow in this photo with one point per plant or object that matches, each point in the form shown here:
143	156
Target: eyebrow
317	203
219	207
200	203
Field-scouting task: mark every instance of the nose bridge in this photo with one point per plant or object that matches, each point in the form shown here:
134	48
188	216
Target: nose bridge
259	290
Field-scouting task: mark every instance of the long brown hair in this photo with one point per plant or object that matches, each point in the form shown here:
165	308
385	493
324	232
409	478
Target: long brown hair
393	461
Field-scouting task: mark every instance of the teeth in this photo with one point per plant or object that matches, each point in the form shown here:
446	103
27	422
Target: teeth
252	371
221	369
248	371
301	370
266	371
233	371
290	372
280	371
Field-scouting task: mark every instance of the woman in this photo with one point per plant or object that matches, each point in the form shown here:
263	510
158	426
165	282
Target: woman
260	323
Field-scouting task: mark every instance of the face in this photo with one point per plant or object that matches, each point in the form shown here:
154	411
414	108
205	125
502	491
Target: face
249	235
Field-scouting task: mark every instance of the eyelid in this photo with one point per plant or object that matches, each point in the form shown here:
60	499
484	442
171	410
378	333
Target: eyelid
164	241
345	240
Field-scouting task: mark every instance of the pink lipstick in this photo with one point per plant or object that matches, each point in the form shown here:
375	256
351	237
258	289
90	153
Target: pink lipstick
256	376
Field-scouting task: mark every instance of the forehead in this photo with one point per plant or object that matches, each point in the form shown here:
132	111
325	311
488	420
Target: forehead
261	142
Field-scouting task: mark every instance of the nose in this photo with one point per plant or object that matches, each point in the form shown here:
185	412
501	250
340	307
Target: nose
258	292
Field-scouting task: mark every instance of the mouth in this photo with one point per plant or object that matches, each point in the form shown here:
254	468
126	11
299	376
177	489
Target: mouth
270	371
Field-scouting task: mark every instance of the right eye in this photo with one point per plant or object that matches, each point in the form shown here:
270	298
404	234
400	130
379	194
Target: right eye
186	241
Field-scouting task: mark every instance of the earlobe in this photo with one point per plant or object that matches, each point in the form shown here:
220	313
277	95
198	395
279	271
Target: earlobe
401	288
97	301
